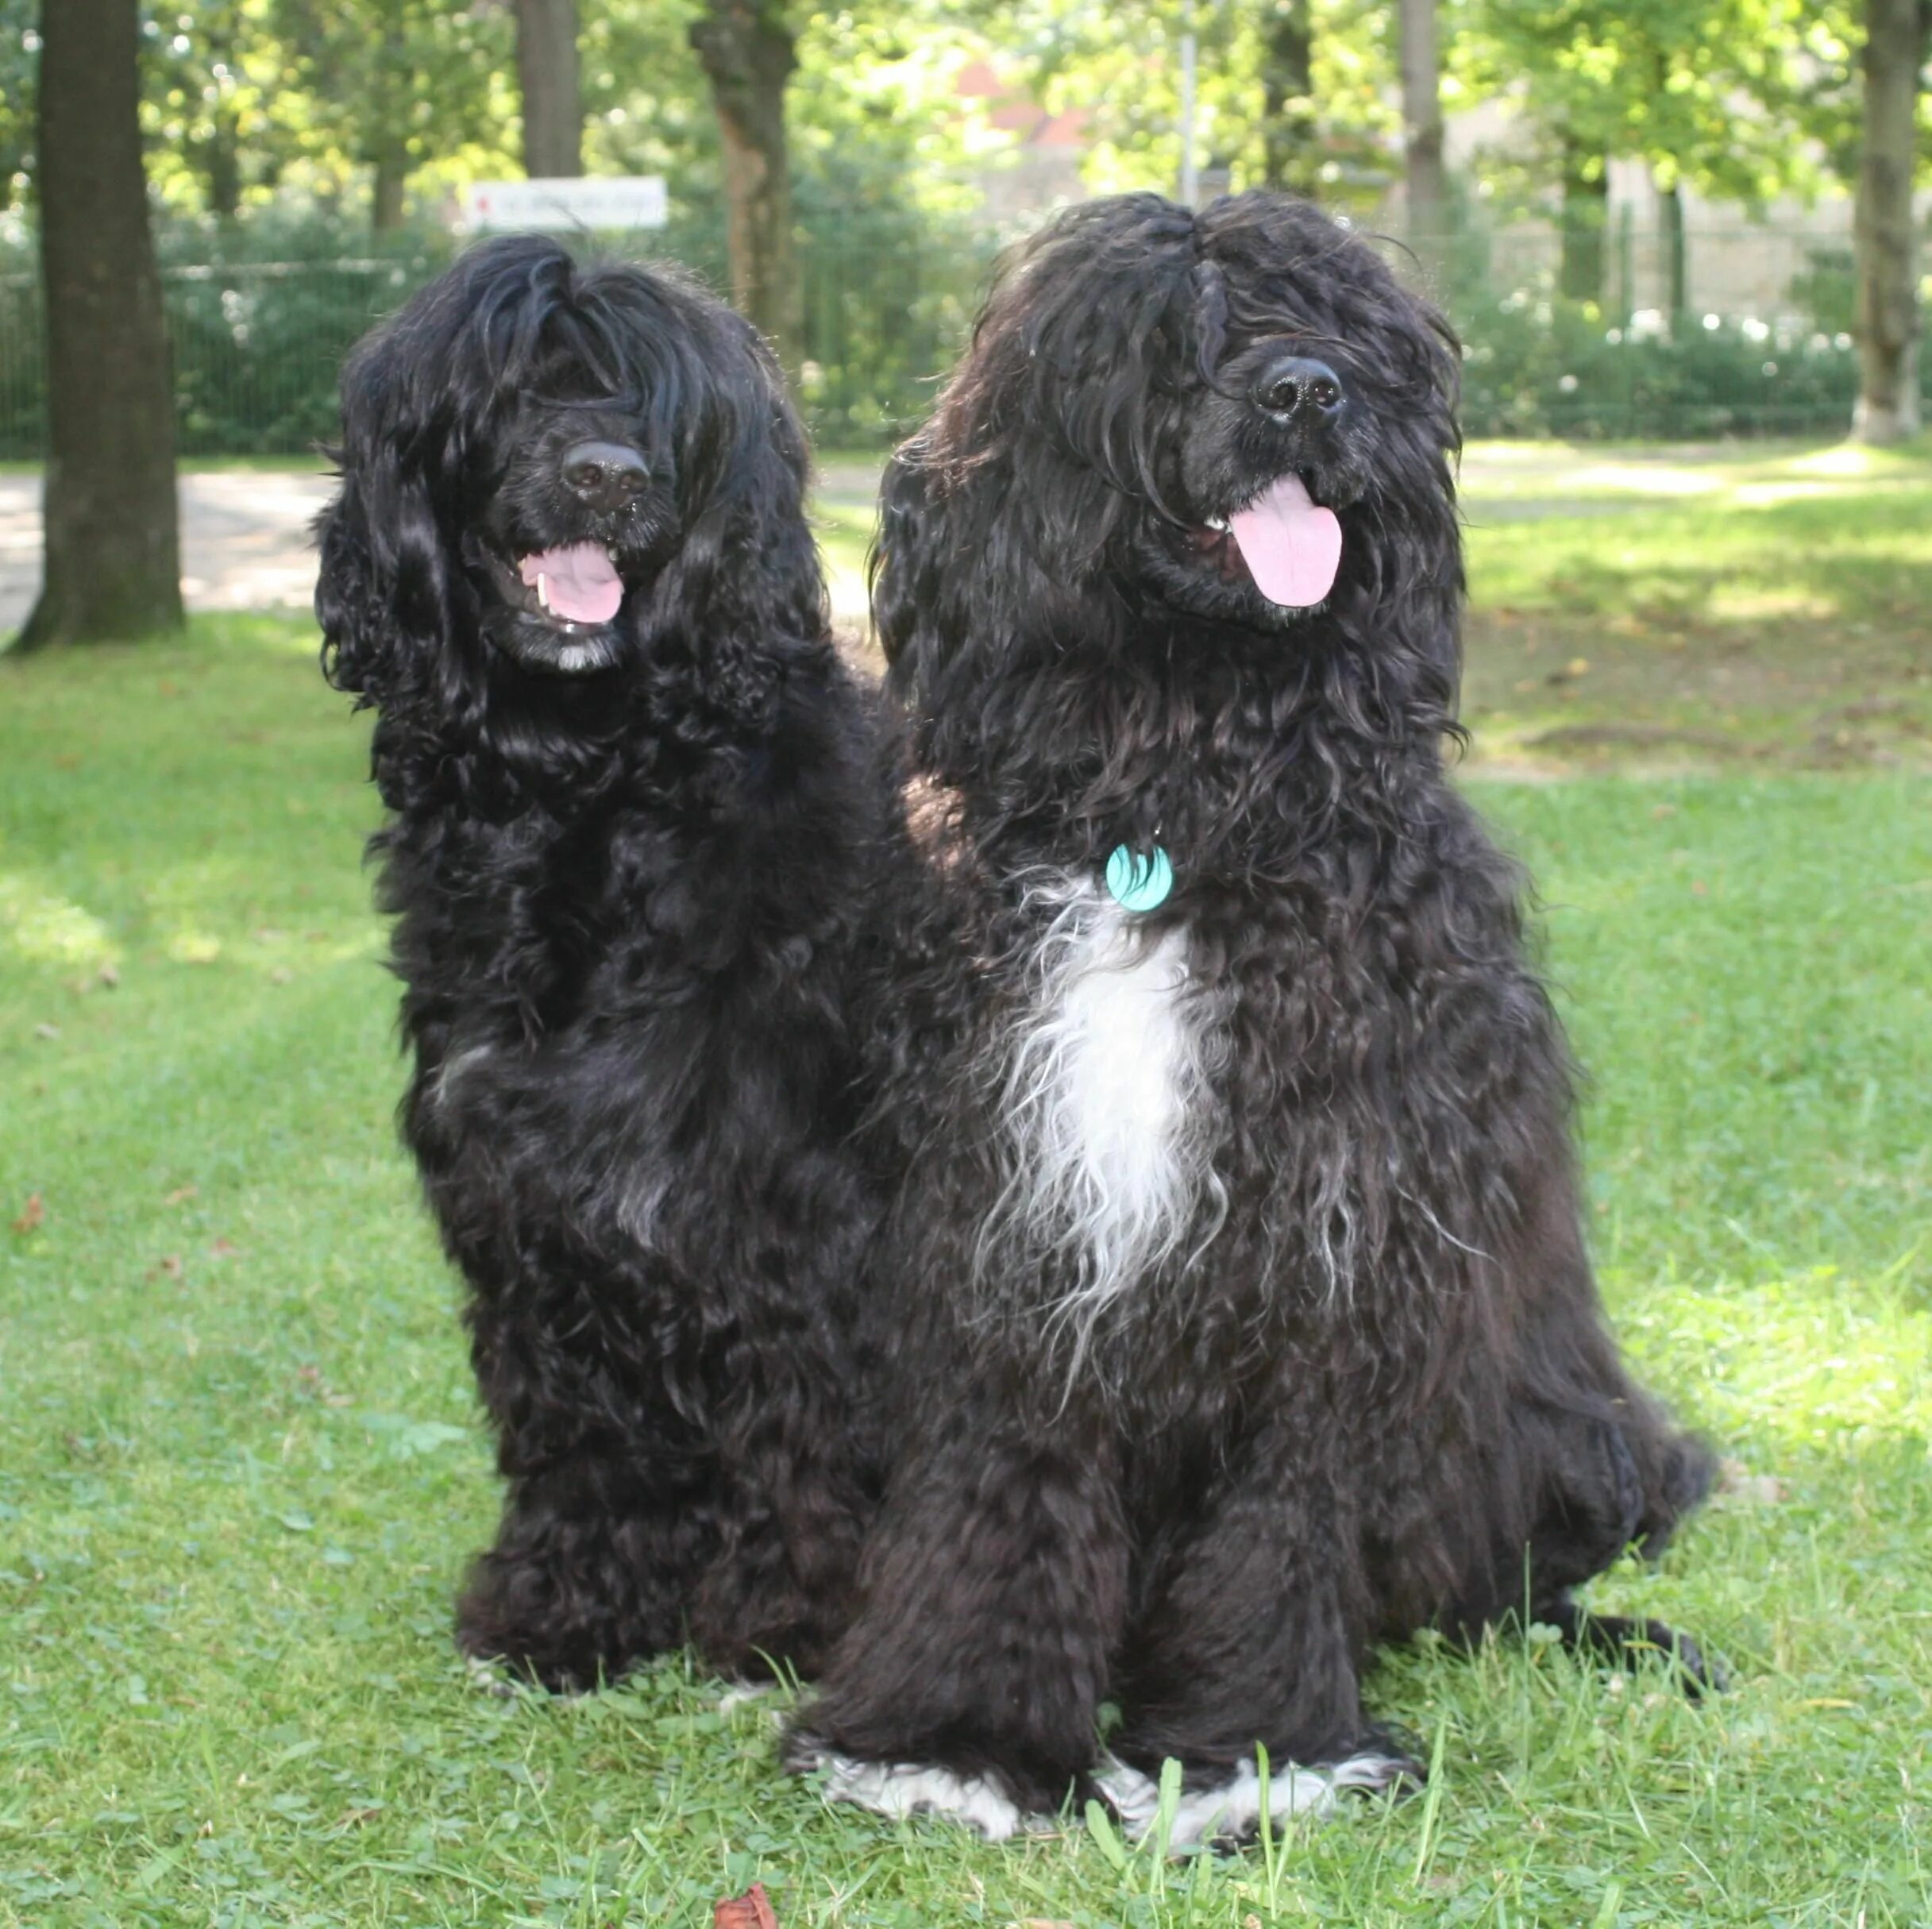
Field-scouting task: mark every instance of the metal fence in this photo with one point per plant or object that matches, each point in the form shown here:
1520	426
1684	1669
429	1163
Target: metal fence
1739	332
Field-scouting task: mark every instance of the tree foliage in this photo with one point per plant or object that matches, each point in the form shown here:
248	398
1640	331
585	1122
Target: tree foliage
219	119
396	85
1294	92
242	97
19	47
1743	100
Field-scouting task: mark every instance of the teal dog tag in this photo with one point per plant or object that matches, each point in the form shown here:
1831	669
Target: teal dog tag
1139	882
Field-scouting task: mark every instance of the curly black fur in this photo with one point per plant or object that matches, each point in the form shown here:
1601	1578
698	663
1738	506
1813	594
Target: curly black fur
1346	1376
623	857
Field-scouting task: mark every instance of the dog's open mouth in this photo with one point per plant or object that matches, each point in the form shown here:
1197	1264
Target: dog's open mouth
562	600
1288	543
578	583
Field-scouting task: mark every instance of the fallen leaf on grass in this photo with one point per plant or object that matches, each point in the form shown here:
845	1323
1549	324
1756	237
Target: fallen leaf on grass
753	1910
47	1030
179	1193
32	1214
169	1266
224	1249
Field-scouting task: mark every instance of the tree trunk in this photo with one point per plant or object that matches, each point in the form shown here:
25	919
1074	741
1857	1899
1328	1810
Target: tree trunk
1425	180
1586	214
748	54
1676	263
546	66
220	154
386	195
111	537
1291	151
1884	241
221	164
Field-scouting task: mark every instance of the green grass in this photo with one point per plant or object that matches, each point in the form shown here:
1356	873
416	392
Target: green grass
1764	605
240	1471
1769	605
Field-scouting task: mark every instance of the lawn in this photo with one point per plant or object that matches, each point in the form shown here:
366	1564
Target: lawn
1723	608
240	1470
1739	606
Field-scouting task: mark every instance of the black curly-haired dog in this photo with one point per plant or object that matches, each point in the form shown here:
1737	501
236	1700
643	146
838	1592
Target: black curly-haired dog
630	792
1243	1312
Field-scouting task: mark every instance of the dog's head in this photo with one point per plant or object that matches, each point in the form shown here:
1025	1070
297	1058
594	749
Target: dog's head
549	470
1238	417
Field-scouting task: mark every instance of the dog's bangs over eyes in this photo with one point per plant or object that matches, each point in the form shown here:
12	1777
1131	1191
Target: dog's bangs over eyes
609	343
1225	407
589	415
568	466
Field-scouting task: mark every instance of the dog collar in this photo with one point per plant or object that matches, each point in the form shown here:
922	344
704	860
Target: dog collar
1139	881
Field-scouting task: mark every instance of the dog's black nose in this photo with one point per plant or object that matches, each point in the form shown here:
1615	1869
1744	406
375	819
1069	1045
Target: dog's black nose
604	476
1293	385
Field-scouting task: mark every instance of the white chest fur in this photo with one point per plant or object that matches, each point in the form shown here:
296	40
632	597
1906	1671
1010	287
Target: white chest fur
1103	1104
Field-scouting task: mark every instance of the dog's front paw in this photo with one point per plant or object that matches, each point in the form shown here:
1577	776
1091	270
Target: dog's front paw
1618	1637
1227	1812
899	1789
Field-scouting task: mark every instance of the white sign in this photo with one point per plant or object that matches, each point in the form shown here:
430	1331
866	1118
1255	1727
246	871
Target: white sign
621	201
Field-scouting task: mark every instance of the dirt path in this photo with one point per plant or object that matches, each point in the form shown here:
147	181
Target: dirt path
244	540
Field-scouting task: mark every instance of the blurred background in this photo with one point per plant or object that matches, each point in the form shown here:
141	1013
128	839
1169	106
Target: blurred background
1641	216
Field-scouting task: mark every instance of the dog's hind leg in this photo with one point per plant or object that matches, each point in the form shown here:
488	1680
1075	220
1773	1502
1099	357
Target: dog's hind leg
1600	1502
1622	1637
993	1592
1528	1460
1250	1635
1582	1466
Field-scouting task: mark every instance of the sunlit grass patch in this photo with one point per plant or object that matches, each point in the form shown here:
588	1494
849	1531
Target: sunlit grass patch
1783	614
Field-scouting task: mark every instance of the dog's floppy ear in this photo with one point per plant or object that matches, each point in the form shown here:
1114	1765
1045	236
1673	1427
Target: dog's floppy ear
1416	609
996	518
418	394
746	579
382	594
902	568
379	597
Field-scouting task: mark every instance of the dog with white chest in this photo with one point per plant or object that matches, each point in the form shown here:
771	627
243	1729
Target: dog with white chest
1235	1290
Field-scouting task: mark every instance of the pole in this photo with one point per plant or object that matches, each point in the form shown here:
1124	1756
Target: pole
1190	178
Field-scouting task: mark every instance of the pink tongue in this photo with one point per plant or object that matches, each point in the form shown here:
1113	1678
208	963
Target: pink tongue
1292	548
581	583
